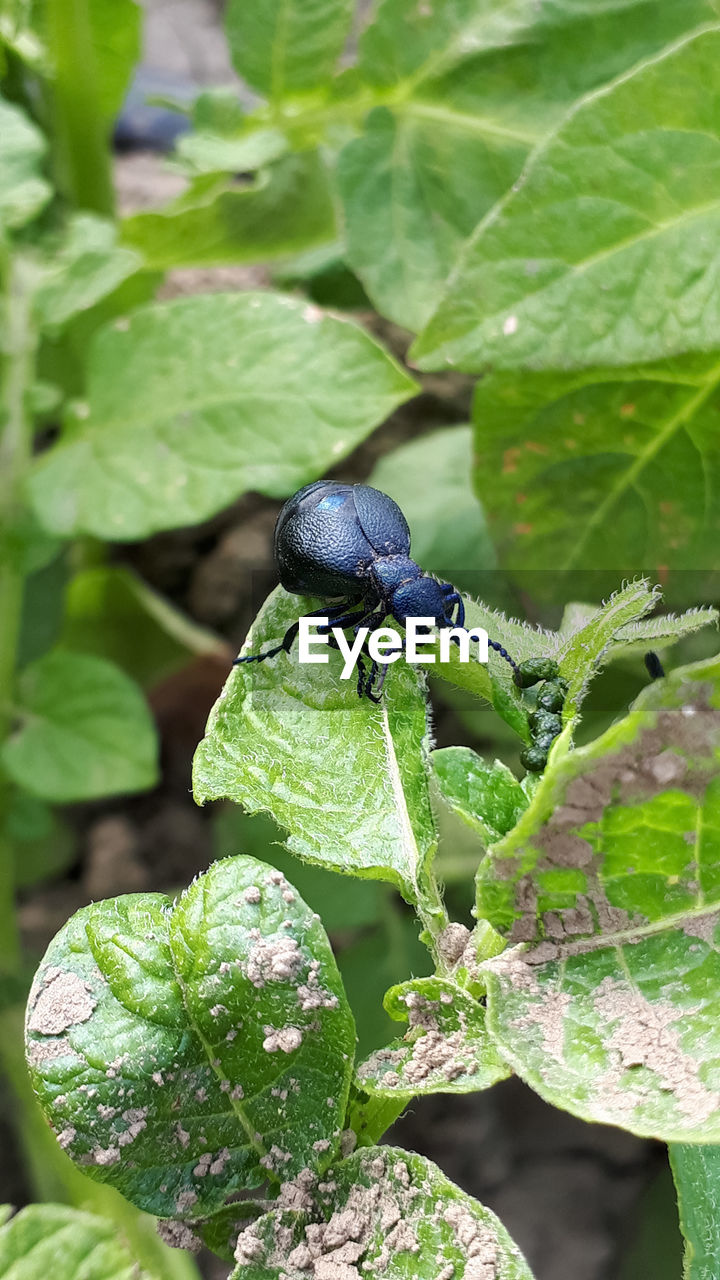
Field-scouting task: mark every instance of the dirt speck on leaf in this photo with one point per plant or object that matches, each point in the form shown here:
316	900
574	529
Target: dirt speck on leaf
645	1034
287	1039
62	1002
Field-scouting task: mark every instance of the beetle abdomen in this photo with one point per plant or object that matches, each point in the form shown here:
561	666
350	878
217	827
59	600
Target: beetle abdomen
328	534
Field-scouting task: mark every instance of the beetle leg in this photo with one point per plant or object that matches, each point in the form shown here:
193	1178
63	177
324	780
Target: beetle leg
454	599
331	612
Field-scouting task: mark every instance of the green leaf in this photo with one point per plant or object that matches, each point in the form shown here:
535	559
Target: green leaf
23	191
54	1238
618	474
84	730
112	613
584	649
413	187
446	1048
185	1052
192	402
346	777
604	253
468	89
286	46
613	876
447	523
392	1213
697	1177
240	151
85	267
285	209
488	797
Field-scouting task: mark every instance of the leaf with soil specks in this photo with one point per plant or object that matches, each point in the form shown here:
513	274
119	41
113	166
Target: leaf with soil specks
381	1212
446	1049
184	1052
54	1239
612	878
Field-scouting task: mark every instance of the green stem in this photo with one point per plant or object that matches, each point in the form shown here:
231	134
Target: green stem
19	342
81	134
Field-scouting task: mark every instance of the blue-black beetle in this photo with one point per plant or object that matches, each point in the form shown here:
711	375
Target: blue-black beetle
350	543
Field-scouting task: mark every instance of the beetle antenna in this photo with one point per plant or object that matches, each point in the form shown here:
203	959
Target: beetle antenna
503	653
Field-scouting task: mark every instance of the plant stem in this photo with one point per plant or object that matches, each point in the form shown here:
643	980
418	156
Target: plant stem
19	343
81	150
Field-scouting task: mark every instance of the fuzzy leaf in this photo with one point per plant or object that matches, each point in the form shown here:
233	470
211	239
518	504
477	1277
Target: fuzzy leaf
185	1052
696	1171
56	1239
346	777
84	730
613	876
446	1049
488	797
624	271
192	402
393	1213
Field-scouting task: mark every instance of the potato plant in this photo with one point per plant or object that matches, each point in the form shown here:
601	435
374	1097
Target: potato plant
530	191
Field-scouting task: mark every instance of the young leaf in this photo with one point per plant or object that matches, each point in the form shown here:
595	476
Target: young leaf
287	208
696	1170
467	90
84	730
613	874
23	192
185	1052
611	469
346	777
446	1049
488	797
390	1212
56	1239
191	402
624	270
283	47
